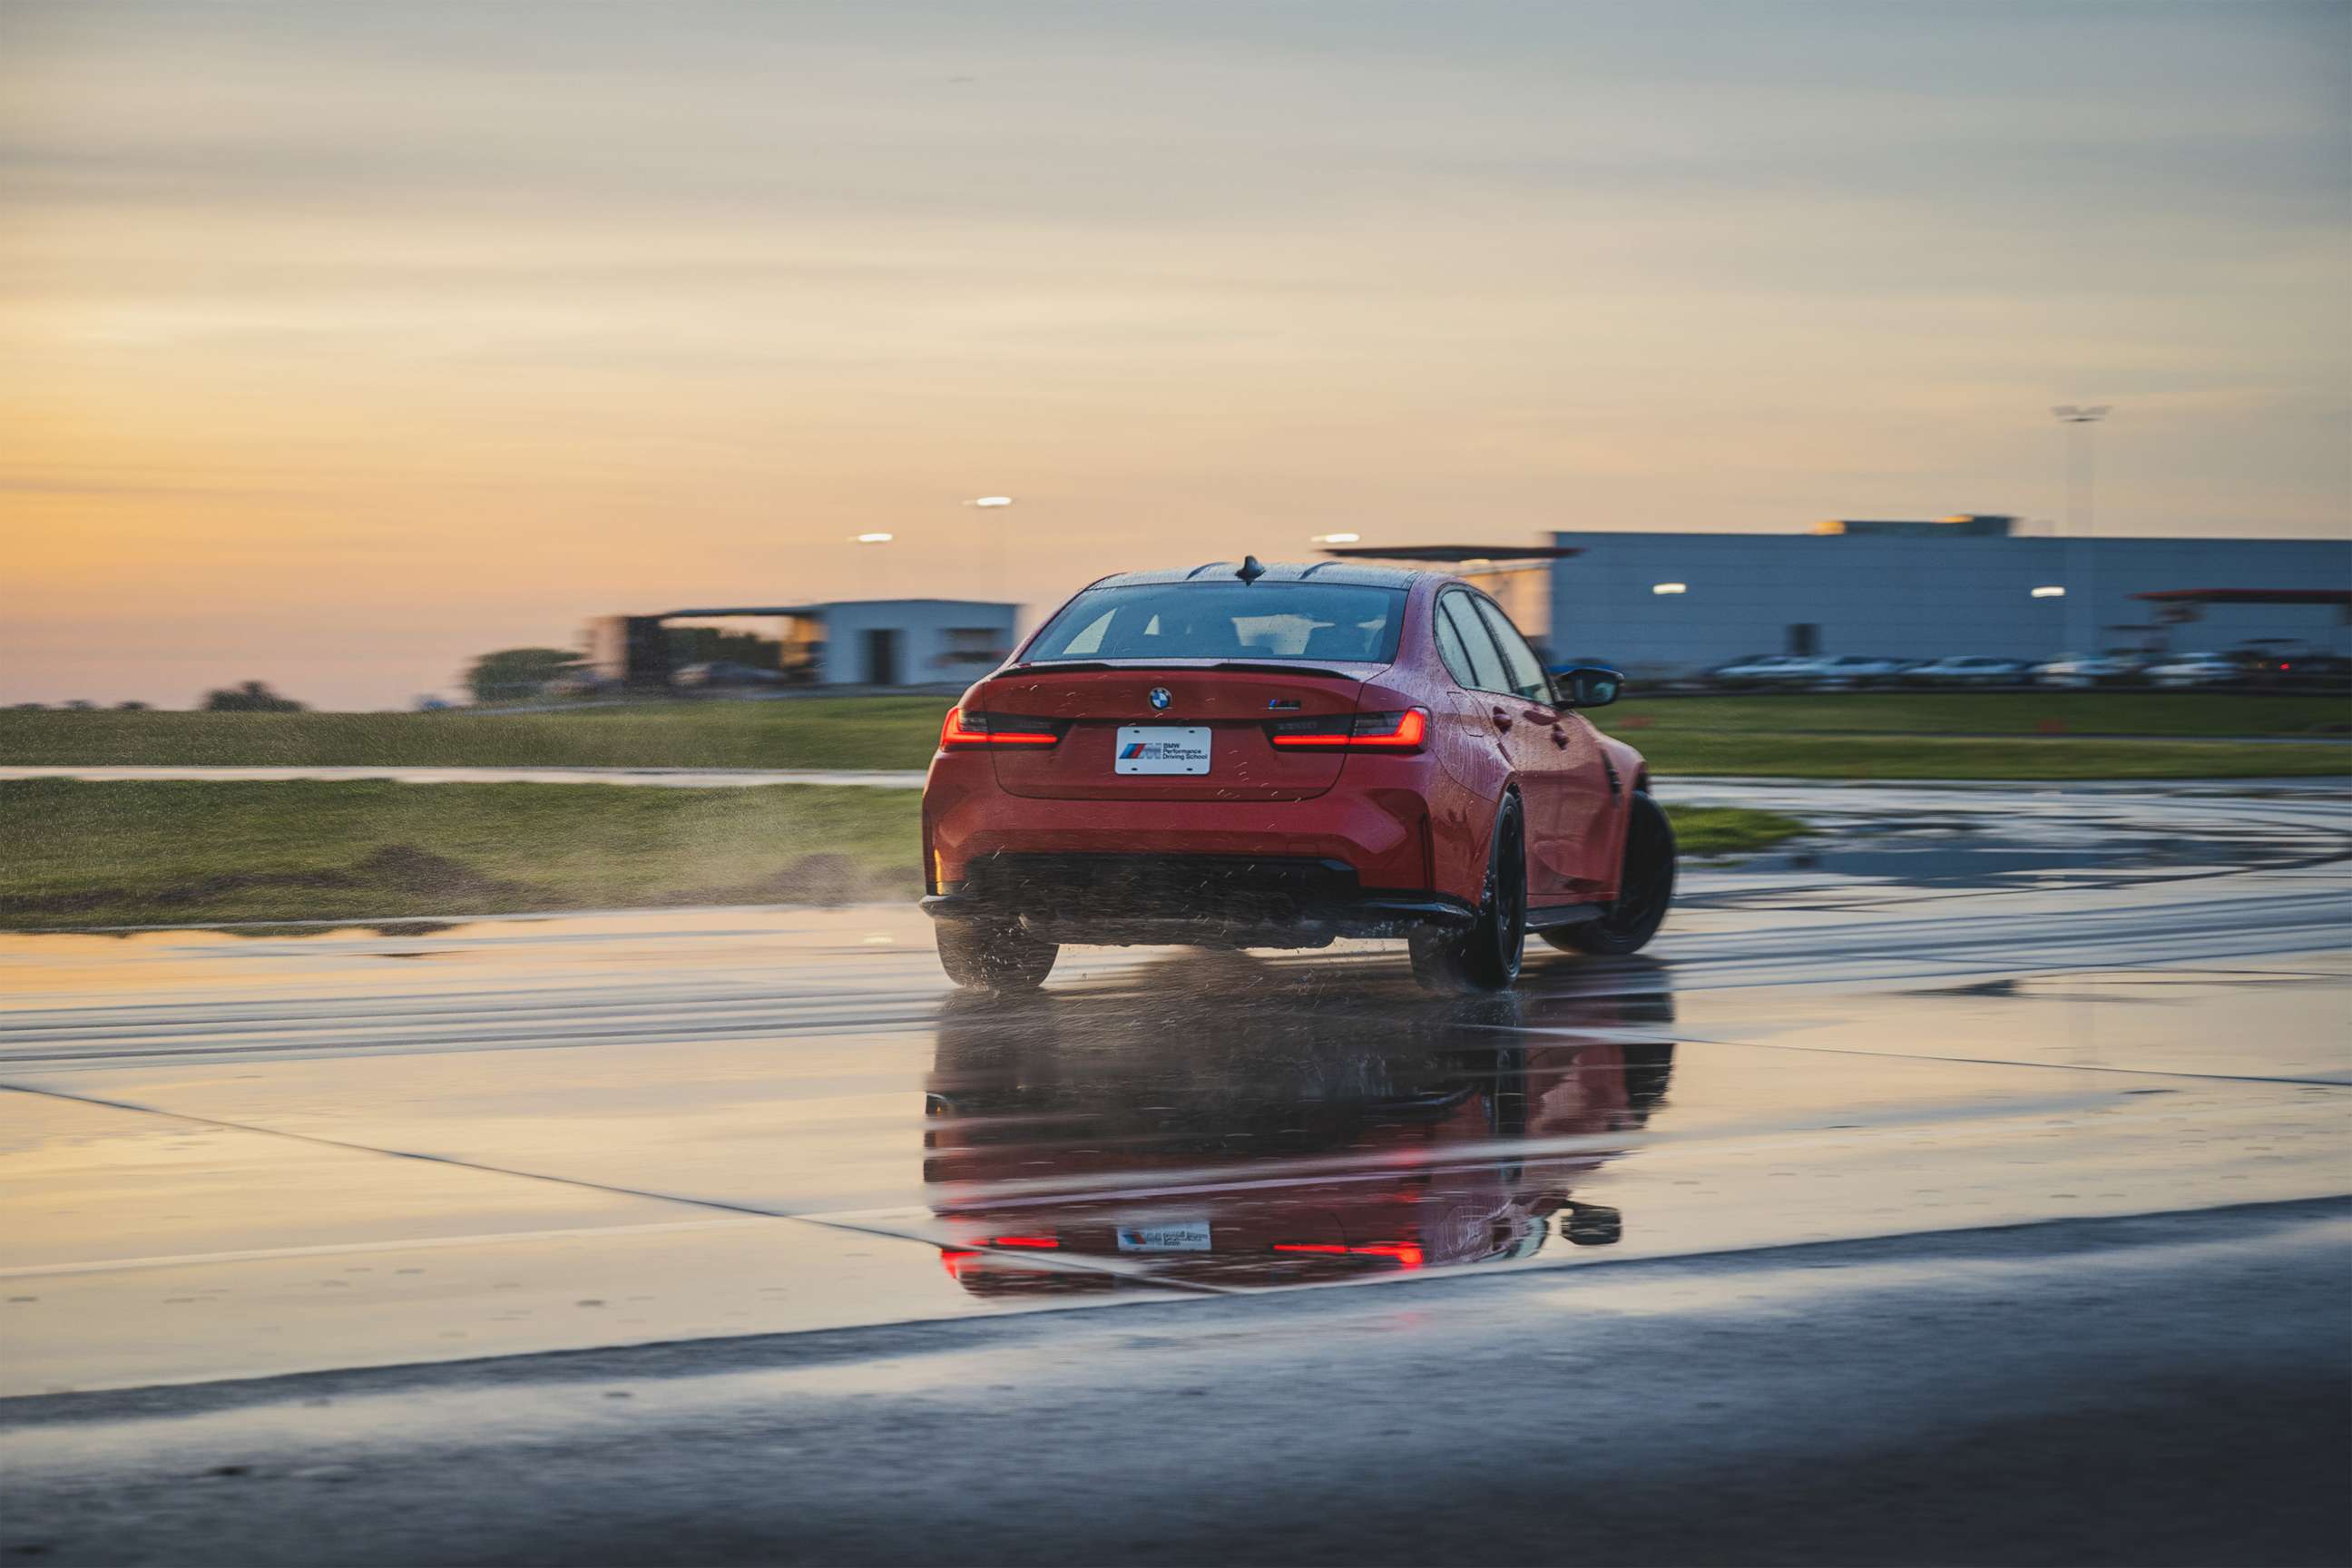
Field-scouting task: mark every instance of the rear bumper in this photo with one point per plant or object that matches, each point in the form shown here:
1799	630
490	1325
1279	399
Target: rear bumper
1377	822
1240	900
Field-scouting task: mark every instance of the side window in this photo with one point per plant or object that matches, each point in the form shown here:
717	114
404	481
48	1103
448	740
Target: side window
1486	671
1450	647
1527	670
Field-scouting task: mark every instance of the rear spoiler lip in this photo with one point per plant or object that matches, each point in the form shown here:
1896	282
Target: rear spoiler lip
1206	666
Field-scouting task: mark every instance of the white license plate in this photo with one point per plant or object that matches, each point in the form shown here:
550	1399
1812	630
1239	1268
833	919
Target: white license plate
1161	748
1169	1236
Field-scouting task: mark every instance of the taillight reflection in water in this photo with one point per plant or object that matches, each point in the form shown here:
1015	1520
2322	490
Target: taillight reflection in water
1225	1124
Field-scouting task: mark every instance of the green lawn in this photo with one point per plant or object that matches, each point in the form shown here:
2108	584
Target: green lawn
2159	713
2021	735
1992	735
109	854
174	853
2029	758
1727	829
806	732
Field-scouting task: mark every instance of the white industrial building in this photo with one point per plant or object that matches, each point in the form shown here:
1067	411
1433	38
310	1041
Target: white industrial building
911	642
843	642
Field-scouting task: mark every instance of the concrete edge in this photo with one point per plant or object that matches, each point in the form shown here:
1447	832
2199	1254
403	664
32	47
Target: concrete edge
2046	1240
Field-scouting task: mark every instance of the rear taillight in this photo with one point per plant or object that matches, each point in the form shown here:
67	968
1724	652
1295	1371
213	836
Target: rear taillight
1404	732
1404	1253
963	731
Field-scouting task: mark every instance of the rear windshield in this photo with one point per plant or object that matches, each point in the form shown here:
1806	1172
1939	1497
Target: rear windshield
1304	621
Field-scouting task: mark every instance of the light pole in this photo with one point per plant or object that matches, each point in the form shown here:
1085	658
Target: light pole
866	541
1003	540
2083	604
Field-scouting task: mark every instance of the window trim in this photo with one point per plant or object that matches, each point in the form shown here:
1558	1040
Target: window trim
1472	594
1440	623
1485	602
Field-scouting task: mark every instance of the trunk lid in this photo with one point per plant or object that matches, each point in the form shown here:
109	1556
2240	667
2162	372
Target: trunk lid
1233	699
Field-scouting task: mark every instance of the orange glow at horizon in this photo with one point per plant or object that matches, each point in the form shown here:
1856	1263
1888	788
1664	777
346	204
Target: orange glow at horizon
345	345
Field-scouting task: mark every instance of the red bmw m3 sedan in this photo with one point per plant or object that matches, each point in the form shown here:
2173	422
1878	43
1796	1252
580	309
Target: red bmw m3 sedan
1275	756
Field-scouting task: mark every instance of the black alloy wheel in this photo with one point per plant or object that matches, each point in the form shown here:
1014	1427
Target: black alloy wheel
994	955
1486	956
1645	888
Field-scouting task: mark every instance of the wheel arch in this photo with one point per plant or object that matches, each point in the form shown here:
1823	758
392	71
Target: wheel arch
1628	764
1509	792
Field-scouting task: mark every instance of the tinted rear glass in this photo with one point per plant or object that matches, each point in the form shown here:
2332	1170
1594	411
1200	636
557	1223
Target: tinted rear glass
1304	621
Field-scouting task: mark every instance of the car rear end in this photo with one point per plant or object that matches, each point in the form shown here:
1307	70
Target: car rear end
1187	759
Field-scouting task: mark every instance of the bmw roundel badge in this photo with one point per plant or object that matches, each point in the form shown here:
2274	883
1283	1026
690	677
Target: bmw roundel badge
1160	699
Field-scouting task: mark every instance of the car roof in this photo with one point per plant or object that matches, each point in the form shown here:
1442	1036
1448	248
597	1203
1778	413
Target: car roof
1347	573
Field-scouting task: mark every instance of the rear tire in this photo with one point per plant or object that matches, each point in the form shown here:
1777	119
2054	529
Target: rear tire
1486	956
993	956
1645	887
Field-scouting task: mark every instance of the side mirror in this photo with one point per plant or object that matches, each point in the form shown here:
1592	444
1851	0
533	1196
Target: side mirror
1588	686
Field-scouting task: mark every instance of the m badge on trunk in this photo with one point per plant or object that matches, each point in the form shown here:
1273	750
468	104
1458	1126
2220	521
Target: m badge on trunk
1160	699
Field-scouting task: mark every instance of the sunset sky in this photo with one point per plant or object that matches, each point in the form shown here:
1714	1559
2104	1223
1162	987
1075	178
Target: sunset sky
341	342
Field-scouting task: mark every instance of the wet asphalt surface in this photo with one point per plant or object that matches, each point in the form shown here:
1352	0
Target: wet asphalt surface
1966	1184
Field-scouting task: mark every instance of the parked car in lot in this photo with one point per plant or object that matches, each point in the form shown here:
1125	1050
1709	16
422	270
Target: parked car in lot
1261	756
1966	669
721	673
1755	669
1844	672
581	681
2076	671
2312	672
2274	666
2179	671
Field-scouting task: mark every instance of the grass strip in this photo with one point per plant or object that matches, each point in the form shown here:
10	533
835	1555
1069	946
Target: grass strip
1993	735
2021	759
1727	829
806	732
172	852
80	855
2035	714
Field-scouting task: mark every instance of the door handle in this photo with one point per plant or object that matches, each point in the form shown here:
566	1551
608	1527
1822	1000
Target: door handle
1502	720
1560	737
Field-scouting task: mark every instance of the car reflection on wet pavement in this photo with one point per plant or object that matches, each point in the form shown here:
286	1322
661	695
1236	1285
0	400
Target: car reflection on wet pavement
1244	1150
